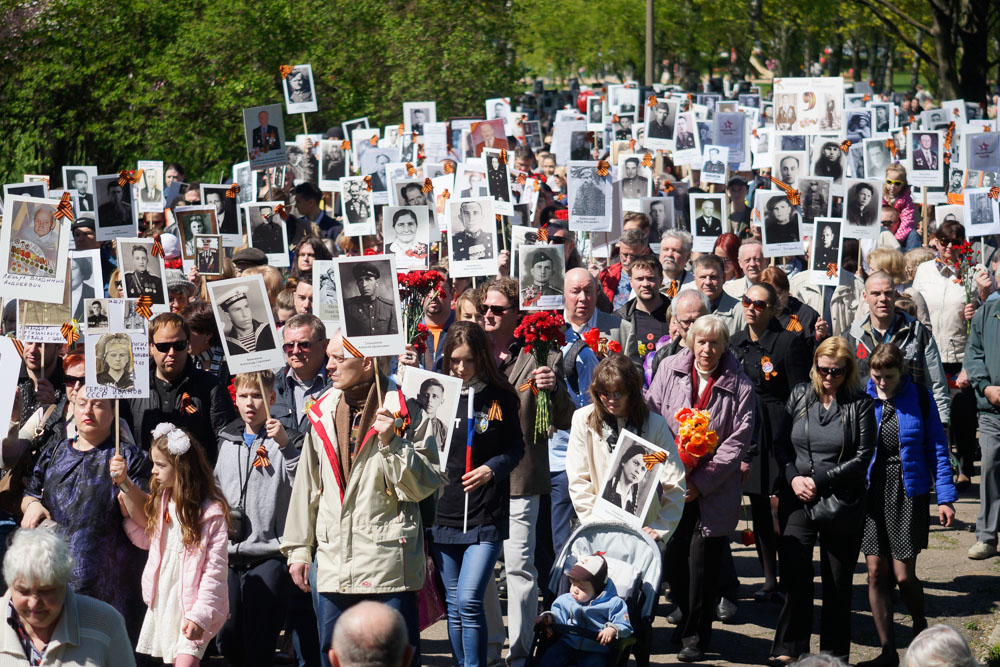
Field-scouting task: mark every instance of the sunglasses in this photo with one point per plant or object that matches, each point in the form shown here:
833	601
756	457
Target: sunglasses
557	240
834	372
496	310
893	182
73	380
305	346
953	243
613	395
176	346
756	304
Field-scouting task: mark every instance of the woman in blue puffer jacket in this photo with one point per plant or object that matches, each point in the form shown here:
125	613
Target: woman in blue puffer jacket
911	454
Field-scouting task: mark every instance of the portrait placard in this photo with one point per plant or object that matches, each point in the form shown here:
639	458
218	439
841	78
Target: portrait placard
335	164
416	114
628	486
368	300
142	272
881	119
80	178
10	372
116	216
432	402
117	365
41	322
816	200
325	305
243	315
498	108
488	134
191	221
498	181
149	189
359	214
34	249
266	231
595	113
861	209
637	180
826	159
877	158
208	254
349	126
300	90
953	212
86	280
715	161
781	233
709	216
472	247
589	196
925	163
542	277
808	105
244	177
660	211
730	131
983	151
36	190
470	179
264	132
825	257
687	141
982	217
562	138
227	214
533	134
789	165
97	318
660	124
406	234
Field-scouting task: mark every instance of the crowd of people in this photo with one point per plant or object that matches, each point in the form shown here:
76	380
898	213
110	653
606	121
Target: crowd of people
290	511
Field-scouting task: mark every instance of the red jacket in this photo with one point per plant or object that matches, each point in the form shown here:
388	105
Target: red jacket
609	279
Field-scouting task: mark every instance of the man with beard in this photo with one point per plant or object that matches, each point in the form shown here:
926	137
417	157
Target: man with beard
675	251
368	314
246	334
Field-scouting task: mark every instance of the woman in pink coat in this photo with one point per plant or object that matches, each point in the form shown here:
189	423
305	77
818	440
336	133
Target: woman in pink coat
704	376
183	522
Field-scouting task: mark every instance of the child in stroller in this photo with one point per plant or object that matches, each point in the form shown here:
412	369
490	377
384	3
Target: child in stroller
592	604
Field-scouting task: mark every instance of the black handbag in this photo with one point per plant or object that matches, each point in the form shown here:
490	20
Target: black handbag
831	508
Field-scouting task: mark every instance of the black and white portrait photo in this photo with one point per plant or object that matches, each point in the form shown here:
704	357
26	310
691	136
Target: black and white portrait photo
687	142
80	178
208	254
406	234
410	192
244	177
264	132
636	180
302	165
595	113
335	163
934	119
432	403
373	163
956	181
142	271
981	213
629	484
191	221
859	125
370	312
132	319
348	127
789	165
708	219
828	160
660	125
815	191
115	214
300	91
86	281
877	158
35	247
785	116
623	99
473	243
589	197
114	360
470	181
418	114
660	211
498	181
149	189
243	315
781	233
359	215
864	200
582	145
227	215
714	161
622	128
267	231
792	142
882	121
325	305
826	250
97	319
542	269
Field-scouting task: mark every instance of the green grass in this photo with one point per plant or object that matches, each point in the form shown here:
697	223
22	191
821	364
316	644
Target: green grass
993	656
972	625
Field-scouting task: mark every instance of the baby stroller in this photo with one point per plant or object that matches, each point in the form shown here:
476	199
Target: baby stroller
634	565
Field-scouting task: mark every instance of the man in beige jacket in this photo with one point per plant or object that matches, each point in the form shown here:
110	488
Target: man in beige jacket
354	514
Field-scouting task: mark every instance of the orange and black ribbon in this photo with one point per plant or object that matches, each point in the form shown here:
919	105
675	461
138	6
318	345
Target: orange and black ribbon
187	404
410	169
866	97
427	187
765	361
794	196
647	160
345	145
946	157
948	135
368	183
18	345
614	118
374	140
353	351
831	270
521	178
994	192
543	234
449	168
402	128
69	332
65	207
653	459
232	191
891	145
530	384
603	168
652	102
157	247
144	306
446	194
499	218
536	184
669	188
261	460
845	145
285	70
631	145
128	177
495	413
283	212
793	324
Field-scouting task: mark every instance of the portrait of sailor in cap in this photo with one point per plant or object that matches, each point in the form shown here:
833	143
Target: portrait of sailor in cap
246	334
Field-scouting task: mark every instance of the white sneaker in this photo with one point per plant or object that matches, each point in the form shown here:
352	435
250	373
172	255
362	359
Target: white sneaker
982	550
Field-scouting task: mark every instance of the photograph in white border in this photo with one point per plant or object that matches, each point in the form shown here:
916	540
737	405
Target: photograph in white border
142	272
982	217
953	212
359	213
406	234
790	165
300	90
116	216
983	151
86	279
368	300
227	213
264	133
246	324
97	318
498	180
628	486
595	114
808	105
418	114
660	211
81	179
861	208
925	163
588	197
267	231
781	232
817	200
472	247
41	322
432	403
335	163
191	221
877	158
325	305
826	250
687	140
244	177
208	254
542	272
660	125
636	180
34	250
714	166
149	189
121	371
709	219
826	159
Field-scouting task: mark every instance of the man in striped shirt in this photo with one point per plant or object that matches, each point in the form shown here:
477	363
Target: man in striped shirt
247	334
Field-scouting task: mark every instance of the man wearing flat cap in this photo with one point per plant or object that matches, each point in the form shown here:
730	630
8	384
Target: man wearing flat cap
541	266
247	334
368	314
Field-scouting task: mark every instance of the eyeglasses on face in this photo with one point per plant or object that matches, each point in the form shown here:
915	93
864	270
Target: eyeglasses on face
496	310
834	372
303	345
73	380
756	304
177	346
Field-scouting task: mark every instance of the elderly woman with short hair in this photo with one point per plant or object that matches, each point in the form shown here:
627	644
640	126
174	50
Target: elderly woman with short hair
705	376
940	646
46	621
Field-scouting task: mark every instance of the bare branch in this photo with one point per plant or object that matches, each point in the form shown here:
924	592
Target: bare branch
895	10
894	28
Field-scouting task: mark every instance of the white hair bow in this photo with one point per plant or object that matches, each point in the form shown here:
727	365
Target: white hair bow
177	441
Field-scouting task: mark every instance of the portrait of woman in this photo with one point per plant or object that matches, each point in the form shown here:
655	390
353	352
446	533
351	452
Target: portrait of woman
114	361
629	486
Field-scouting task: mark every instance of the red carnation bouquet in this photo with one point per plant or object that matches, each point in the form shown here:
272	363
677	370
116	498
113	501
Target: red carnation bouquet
541	332
694	439
965	267
414	288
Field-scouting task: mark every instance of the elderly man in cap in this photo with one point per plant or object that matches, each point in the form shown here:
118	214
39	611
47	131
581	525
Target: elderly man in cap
247	257
246	334
180	290
368	314
207	259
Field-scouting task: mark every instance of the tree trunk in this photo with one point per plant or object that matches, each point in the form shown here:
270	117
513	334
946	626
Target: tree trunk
856	56
944	50
915	73
973	32
836	55
873	59
890	65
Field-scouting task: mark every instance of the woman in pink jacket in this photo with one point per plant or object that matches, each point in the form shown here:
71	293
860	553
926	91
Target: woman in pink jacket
183	522
896	193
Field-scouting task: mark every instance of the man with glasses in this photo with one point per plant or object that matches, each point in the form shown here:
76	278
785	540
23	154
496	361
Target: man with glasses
179	391
304	377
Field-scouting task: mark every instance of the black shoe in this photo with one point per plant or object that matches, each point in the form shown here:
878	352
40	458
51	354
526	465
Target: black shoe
691	654
885	659
725	611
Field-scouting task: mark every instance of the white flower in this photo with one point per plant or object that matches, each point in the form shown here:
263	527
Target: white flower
163	429
178	442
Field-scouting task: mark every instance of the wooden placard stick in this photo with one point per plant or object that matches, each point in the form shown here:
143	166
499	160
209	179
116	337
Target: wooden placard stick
263	395
305	130
925	213
118	432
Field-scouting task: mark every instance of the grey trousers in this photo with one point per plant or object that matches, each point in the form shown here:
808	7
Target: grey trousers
988	521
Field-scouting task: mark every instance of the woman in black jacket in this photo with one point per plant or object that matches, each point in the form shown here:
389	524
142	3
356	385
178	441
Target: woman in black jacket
775	360
824	458
483	452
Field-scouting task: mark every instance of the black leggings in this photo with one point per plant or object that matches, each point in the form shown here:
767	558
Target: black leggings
964	418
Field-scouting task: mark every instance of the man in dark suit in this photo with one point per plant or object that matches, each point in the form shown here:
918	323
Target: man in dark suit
368	314
140	281
924	156
265	137
81	183
114	212
708	223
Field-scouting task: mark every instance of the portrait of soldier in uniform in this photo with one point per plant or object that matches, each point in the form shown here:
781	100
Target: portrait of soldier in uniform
471	241
368	313
141	278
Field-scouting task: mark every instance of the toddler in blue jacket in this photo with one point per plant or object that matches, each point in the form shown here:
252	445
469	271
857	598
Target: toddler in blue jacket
591	604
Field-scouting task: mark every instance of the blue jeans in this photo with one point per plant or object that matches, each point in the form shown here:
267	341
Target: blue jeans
465	570
563	514
912	240
329	607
